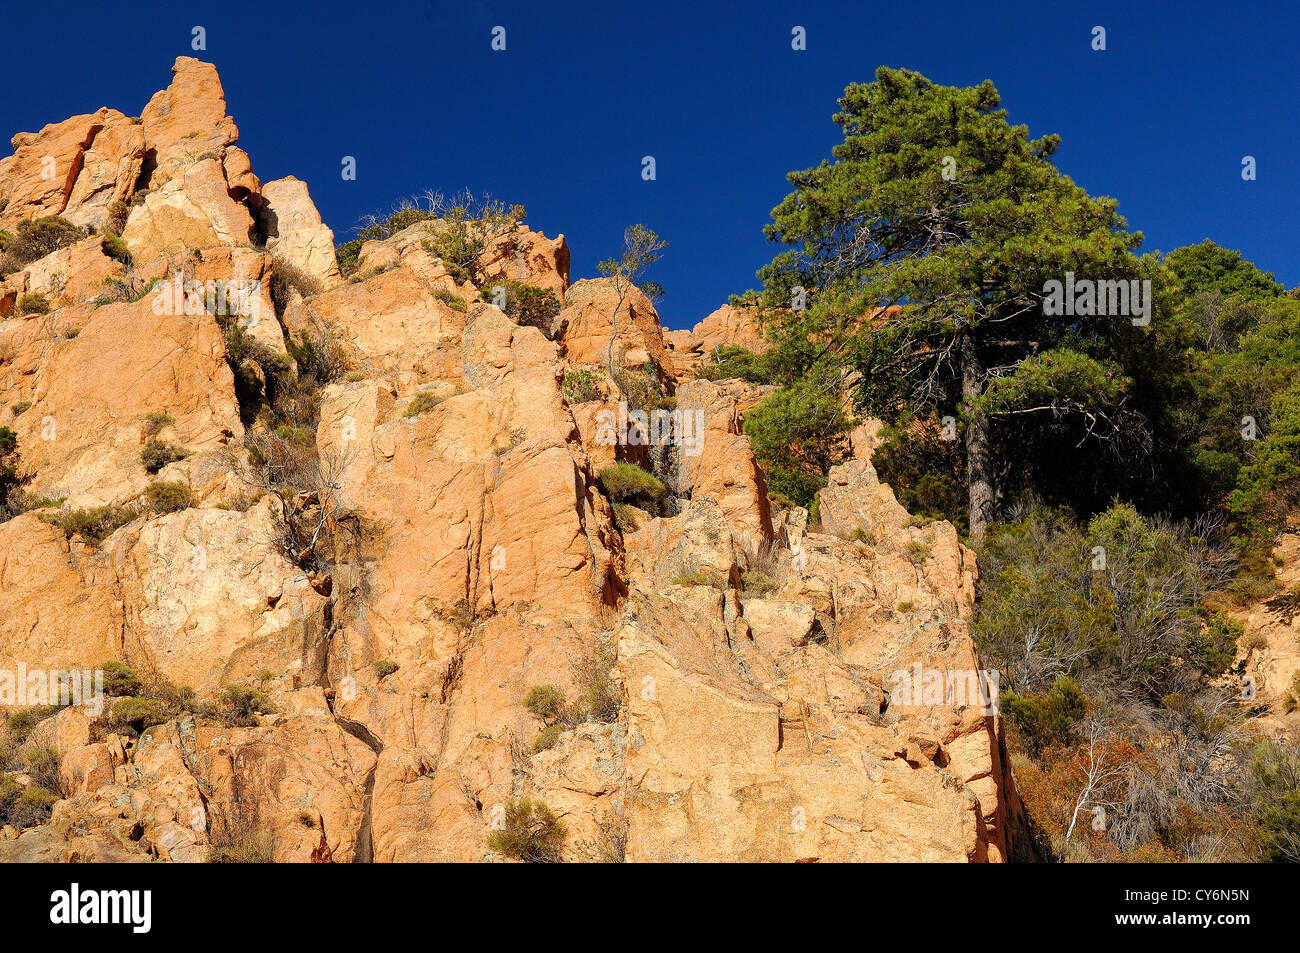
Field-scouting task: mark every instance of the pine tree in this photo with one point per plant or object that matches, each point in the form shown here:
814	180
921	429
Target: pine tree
937	208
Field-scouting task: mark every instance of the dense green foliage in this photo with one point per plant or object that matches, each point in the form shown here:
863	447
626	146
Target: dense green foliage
527	304
628	483
798	433
936	207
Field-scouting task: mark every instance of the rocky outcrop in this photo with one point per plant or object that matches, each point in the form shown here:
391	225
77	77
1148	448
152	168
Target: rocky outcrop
727	675
593	313
74	168
295	232
728	325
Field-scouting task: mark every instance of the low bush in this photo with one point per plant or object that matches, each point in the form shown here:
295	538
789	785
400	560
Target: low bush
120	680
32	303
729	360
346	255
240	705
157	454
696	577
531	833
548	738
24	807
452	300
94	524
422	403
137	714
34	239
1048	719
581	386
21	722
546	702
116	249
528	304
628	483
155	422
167	496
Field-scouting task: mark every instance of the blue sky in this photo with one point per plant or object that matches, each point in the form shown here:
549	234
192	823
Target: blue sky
561	119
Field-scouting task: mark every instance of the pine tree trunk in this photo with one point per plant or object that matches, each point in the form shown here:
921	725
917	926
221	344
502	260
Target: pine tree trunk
979	456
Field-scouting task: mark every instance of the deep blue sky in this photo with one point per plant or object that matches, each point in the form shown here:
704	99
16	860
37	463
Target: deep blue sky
561	120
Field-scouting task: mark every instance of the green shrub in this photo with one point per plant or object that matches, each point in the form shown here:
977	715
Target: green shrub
798	434
758	582
137	714
347	256
167	496
21	722
916	551
528	304
422	403
384	667
532	833
29	807
1275	799
1129	629
467	225
155	422
116	249
32	303
42	766
120	680
546	702
548	738
400	220
581	386
453	301
628	483
1044	720
93	525
240	705
36	238
732	361
157	454
1214	648
138	198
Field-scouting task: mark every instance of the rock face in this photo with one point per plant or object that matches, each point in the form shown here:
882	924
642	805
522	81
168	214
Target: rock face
74	168
727	325
383	542
1271	647
295	232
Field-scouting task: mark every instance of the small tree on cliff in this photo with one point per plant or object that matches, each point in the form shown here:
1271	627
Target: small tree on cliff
936	204
641	249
